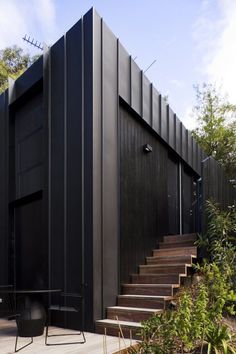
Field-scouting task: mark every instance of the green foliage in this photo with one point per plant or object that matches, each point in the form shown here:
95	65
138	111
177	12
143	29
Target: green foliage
158	335
197	321
218	241
220	340
183	320
216	132
13	62
221	296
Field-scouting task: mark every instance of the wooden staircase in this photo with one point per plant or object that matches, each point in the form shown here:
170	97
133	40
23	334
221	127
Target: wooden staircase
152	289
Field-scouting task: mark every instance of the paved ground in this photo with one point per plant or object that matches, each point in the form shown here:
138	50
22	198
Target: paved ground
94	343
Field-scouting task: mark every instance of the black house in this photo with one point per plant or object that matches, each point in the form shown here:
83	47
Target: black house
95	169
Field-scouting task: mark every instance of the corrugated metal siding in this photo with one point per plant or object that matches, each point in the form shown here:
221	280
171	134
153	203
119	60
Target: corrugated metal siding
4	153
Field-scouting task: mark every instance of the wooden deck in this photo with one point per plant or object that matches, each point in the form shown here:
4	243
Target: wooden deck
93	345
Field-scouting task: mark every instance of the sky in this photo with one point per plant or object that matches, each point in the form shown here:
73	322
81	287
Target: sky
192	41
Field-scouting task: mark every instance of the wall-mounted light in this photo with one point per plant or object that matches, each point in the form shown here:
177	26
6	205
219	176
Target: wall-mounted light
147	148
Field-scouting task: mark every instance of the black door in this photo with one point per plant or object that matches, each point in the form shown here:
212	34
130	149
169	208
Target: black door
173	196
189	201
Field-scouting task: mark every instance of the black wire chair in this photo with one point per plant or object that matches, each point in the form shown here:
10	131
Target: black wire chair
30	323
67	303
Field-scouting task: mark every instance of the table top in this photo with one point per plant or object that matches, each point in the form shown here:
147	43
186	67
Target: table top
30	291
3	286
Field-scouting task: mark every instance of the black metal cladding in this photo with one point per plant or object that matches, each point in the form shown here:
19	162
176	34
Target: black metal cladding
86	75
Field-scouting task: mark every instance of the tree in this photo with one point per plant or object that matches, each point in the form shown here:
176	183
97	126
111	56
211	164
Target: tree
216	131
13	62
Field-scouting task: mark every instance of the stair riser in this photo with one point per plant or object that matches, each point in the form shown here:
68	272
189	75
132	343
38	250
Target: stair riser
145	290
128	315
155	279
177	238
144	303
178	252
111	331
175	245
169	260
162	269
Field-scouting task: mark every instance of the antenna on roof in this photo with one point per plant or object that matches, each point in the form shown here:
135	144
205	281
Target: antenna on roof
32	42
149	66
135	58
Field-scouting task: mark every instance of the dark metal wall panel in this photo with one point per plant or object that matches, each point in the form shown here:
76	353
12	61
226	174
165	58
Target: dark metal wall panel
195	156
216	186
190	148
110	166
74	158
173	195
27	80
178	138
27	125
143	193
97	170
147	100
124	74
57	214
171	126
3	187
164	119
156	115
136	88
184	143
87	167
199	159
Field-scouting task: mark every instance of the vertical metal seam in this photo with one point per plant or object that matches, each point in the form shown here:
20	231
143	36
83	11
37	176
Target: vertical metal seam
141	94
160	116
151	105
118	167
130	81
175	122
102	169
49	157
65	163
82	163
180	199
168	122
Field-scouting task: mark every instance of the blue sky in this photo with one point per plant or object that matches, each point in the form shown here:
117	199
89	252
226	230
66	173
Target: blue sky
193	41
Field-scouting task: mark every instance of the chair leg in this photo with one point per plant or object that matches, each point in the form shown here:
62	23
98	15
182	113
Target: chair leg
46	335
24	346
64	334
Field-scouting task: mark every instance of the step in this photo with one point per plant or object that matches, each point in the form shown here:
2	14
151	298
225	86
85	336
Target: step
146	301
155	278
132	314
180	238
164	269
111	328
179	251
170	259
167	245
149	289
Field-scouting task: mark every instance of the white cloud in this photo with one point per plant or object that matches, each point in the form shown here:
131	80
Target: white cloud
188	118
17	18
215	40
177	83
222	65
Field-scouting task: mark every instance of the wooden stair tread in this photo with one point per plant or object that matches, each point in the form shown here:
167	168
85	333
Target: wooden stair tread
122	323
151	285
171	257
165	265
165	297
134	309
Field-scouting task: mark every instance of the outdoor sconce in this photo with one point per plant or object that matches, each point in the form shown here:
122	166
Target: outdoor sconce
147	148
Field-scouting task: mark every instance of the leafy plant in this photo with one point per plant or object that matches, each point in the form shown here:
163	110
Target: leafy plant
220	340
